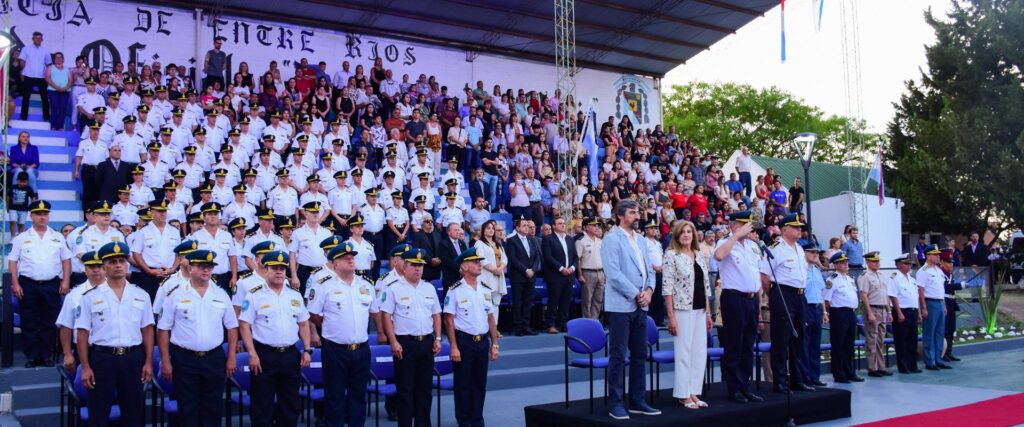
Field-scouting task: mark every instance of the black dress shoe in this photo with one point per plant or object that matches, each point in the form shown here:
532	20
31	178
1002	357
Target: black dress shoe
945	366
904	371
885	373
946	359
875	374
842	381
47	363
953	358
931	368
856	379
531	332
32	363
818	383
915	371
739	398
801	387
753	397
780	389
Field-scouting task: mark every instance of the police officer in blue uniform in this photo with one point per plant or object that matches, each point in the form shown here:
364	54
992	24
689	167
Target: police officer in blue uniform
343	306
841	301
470	323
813	316
412	321
190	334
272	317
114	323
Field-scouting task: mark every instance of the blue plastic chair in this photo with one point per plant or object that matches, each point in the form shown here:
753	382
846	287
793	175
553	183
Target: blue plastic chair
656	356
443	367
80	396
860	342
241	380
760	348
16	310
382	368
163	393
313	376
715	354
585	336
67	379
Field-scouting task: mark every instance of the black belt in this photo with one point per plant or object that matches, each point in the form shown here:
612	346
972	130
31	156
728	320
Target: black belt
475	338
934	299
273	348
790	289
816	304
193	352
745	294
416	337
116	351
878	306
20	277
908	308
593	270
349	347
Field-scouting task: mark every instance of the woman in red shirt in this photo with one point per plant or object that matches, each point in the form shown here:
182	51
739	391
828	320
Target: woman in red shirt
698	202
679	200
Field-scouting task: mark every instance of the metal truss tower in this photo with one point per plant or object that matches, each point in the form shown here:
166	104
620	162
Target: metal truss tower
565	71
857	175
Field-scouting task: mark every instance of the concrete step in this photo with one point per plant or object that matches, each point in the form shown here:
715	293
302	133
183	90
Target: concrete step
63	216
75	186
45	141
28	124
56	158
58	195
55	175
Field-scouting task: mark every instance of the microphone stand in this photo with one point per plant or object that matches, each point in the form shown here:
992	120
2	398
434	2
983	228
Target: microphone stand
789	319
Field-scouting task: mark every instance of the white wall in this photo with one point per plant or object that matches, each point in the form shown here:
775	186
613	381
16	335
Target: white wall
884	231
106	30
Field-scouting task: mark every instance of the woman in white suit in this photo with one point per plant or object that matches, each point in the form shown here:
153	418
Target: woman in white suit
686	288
489	246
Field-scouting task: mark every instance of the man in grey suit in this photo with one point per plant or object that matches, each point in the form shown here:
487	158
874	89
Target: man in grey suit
629	288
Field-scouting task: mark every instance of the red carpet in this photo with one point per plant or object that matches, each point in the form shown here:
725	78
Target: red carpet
1003	411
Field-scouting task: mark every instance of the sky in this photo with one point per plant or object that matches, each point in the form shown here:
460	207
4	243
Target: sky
893	35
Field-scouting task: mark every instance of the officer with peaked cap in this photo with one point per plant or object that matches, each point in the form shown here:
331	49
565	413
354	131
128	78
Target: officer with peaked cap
66	318
931	281
271	319
176	280
153	252
190	337
412	321
841	303
343	305
471	325
813	316
255	277
905	306
875	297
950	286
304	249
215	239
114	323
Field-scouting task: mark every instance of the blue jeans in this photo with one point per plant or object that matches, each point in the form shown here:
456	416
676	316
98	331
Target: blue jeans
58	108
626	331
812	343
934	331
745	180
492	183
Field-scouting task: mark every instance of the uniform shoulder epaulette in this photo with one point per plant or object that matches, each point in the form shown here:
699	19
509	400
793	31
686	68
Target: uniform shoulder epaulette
174	288
833	276
315	270
255	288
774	245
164	280
456	284
323	279
893	274
244	275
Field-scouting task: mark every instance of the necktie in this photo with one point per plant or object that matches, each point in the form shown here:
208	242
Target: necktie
457	249
116	163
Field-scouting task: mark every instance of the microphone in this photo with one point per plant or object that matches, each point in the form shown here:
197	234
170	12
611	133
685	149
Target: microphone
764	250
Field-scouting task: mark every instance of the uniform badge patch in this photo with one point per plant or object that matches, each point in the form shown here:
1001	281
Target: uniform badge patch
245	305
828	284
295	303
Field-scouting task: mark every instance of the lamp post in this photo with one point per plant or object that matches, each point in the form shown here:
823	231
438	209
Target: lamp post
803	145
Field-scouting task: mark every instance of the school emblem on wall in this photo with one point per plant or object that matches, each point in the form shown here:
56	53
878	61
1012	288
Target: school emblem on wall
631	98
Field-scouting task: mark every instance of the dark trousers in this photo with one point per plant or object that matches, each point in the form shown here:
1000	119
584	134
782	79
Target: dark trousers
522	303
303	271
27	87
77	279
199	386
626	331
117	376
657	302
147	282
559	300
224	281
739	328
346	374
745	180
787	348
58	108
905	340
39	308
537	214
275	391
951	309
90	191
377	239
812	343
413	375
843	331
470	378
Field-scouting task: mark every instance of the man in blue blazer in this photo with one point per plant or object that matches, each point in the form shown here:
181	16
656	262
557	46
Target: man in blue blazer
628	291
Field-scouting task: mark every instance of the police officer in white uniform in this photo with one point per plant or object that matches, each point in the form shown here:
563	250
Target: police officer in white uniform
264	232
91	151
321	275
114	323
738	260
342	306
176	280
366	254
473	334
904	298
840	302
40	268
412	321
154	250
190	337
66	318
304	250
784	276
100	232
272	317
373	231
212	238
931	293
253	278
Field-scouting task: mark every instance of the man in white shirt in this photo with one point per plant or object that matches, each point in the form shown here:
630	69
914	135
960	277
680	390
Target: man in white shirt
36	58
743	164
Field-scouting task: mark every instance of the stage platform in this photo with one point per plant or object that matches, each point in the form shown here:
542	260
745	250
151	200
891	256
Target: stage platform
808	407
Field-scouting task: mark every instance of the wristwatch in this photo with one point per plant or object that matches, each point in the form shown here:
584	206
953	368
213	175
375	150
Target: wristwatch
308	351
495	346
437	339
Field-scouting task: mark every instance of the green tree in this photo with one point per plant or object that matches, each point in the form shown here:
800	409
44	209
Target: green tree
723	117
956	137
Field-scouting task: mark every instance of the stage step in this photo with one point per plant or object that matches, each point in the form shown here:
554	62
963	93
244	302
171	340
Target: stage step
55	195
28	125
43	141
